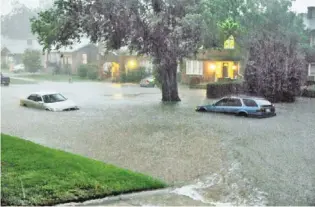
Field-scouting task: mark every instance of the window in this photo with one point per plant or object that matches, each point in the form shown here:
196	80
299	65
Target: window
194	67
222	102
38	98
250	103
312	69
234	102
52	98
32	97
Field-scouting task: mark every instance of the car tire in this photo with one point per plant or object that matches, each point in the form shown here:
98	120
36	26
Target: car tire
243	114
202	110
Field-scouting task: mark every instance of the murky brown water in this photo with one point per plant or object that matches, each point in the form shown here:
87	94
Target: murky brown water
211	158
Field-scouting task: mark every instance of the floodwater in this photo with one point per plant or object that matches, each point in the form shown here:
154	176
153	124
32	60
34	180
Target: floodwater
210	159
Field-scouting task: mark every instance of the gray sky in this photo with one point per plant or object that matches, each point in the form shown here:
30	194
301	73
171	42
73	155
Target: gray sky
299	6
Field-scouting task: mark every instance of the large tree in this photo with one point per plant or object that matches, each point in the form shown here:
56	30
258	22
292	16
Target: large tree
16	24
167	30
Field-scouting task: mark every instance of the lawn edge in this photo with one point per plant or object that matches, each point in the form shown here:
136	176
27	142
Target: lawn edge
121	197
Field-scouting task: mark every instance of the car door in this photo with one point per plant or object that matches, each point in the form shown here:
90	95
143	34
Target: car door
38	103
30	101
220	105
233	106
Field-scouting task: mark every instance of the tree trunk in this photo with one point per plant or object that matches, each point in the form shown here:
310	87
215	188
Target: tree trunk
169	83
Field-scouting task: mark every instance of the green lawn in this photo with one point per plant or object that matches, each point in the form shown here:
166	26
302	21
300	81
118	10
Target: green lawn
18	81
36	175
55	78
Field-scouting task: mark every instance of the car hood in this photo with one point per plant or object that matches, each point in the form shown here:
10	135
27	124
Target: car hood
61	105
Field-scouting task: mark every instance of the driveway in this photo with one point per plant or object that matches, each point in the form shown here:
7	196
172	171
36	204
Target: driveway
216	158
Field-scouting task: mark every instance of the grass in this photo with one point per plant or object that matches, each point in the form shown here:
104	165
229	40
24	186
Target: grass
19	81
55	78
36	175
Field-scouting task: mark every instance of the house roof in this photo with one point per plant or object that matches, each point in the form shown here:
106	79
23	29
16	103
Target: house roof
19	46
78	45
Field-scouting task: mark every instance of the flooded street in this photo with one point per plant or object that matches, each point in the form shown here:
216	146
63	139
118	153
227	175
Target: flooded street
209	158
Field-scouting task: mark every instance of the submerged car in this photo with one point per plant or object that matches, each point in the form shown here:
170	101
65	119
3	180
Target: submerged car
147	82
242	106
5	80
50	101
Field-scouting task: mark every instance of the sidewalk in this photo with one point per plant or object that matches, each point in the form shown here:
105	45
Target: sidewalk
164	197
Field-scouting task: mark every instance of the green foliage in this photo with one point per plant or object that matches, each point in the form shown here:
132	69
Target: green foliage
134	76
92	72
89	71
82	70
4	66
32	60
51	176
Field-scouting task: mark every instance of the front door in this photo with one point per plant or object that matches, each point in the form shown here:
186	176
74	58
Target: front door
225	70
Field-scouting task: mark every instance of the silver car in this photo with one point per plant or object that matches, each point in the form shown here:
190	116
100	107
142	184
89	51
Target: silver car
50	101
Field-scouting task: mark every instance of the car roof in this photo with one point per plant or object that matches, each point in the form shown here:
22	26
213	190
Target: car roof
246	97
42	93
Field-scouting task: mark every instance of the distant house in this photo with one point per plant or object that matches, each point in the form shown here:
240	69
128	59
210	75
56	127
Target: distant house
16	48
309	21
122	61
72	57
213	65
6	57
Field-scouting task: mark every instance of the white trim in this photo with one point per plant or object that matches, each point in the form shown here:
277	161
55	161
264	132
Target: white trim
311	69
194	67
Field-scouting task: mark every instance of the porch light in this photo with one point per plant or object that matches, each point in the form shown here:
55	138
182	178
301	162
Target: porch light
234	67
212	67
132	64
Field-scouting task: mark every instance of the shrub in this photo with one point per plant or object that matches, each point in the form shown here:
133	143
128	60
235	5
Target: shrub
82	71
4	66
32	60
92	72
134	76
194	80
220	89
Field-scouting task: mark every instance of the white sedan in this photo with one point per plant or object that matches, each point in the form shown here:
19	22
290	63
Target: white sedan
50	101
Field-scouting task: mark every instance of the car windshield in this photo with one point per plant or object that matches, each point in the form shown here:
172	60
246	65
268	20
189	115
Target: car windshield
52	98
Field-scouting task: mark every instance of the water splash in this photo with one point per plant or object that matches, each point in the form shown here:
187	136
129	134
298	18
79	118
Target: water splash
226	188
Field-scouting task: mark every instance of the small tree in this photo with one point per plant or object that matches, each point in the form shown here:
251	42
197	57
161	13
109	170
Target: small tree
32	60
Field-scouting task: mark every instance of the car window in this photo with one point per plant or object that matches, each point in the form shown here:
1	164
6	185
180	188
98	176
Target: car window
234	102
52	98
38	98
32	97
250	103
222	102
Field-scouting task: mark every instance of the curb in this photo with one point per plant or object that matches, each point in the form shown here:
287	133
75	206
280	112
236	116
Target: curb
122	197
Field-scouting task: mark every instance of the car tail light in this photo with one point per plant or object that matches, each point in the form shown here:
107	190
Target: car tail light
261	110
